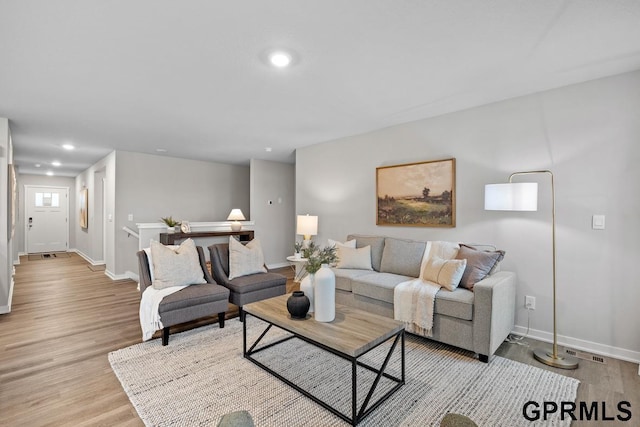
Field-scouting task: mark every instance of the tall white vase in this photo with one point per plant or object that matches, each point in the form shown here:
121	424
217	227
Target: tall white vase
306	286
325	294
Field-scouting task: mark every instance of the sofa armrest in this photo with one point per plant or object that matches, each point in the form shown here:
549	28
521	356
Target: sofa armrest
493	311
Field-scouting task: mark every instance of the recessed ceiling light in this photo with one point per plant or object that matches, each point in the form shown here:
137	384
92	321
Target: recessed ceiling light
55	163
68	147
37	165
49	173
267	149
161	150
280	59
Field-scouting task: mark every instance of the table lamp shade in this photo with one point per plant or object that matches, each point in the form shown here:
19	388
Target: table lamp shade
236	215
307	225
513	196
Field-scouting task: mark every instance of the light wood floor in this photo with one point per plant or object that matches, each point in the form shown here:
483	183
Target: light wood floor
66	318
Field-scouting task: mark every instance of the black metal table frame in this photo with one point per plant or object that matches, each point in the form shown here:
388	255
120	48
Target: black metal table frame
356	415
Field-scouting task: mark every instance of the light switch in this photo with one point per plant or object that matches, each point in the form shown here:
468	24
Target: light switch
130	217
597	222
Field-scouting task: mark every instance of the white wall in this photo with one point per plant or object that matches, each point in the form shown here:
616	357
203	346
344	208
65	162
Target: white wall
85	238
6	242
274	223
587	134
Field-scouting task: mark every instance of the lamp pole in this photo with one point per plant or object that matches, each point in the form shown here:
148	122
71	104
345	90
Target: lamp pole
551	358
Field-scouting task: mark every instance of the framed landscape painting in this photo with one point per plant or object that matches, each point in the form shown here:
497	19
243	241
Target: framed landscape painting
84	208
417	194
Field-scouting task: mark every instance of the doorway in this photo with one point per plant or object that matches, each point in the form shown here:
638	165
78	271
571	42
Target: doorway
46	219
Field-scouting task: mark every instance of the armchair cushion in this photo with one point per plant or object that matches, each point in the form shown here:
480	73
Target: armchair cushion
177	267
245	260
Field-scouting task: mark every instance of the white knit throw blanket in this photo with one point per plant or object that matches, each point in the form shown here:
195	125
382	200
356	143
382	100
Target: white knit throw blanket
149	305
413	303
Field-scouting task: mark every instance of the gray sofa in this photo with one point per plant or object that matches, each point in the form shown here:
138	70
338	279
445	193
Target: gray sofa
478	320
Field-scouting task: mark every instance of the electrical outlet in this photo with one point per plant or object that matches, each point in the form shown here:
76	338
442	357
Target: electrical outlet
530	302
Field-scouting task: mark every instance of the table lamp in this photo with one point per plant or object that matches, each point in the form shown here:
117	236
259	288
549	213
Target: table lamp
236	216
307	225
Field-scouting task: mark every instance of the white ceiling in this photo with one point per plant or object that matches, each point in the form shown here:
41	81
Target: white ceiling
191	76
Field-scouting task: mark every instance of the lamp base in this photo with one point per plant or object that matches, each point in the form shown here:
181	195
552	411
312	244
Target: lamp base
236	226
562	362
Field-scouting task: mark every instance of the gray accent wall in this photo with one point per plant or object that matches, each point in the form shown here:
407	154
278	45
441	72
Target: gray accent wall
588	134
150	187
272	209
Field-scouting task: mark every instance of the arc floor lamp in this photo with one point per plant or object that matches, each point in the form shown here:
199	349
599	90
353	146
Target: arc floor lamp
523	196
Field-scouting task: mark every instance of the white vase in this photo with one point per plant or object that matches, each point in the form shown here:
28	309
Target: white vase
324	285
306	286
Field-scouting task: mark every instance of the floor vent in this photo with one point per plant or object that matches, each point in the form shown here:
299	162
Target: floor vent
586	356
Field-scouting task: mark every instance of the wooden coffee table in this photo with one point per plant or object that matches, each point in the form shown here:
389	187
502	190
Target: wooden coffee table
352	334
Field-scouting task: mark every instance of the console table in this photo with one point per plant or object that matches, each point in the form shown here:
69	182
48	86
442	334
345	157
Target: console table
172	238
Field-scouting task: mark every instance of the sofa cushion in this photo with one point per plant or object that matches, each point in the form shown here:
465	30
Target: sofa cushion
458	303
255	282
344	277
192	296
377	285
402	256
376	243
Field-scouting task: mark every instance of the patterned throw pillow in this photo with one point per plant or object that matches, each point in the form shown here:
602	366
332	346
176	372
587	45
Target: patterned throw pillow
175	267
245	259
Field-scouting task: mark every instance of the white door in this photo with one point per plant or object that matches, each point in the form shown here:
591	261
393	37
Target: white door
46	225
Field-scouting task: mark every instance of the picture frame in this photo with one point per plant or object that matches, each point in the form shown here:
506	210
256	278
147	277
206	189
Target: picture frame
185	227
84	208
421	194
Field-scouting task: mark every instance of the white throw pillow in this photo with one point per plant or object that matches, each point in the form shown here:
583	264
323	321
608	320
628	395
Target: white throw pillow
245	259
359	258
150	259
175	267
348	244
445	272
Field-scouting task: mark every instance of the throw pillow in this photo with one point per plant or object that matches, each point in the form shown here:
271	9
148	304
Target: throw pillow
150	260
245	259
444	272
348	244
479	264
175	267
354	258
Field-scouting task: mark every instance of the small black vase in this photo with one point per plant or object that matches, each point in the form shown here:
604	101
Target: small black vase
298	305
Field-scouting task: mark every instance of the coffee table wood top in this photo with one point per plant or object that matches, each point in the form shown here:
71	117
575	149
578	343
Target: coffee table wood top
353	332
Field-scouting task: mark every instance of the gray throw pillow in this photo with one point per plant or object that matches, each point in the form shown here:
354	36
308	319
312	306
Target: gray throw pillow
479	264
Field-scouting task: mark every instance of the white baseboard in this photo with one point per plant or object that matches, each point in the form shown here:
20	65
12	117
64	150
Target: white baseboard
86	257
583	345
127	275
4	309
278	265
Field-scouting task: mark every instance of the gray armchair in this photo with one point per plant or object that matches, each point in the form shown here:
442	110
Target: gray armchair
190	303
245	289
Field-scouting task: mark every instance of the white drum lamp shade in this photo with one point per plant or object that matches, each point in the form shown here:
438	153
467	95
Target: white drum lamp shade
307	225
512	196
236	215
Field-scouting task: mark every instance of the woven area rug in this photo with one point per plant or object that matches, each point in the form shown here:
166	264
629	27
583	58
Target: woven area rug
201	375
